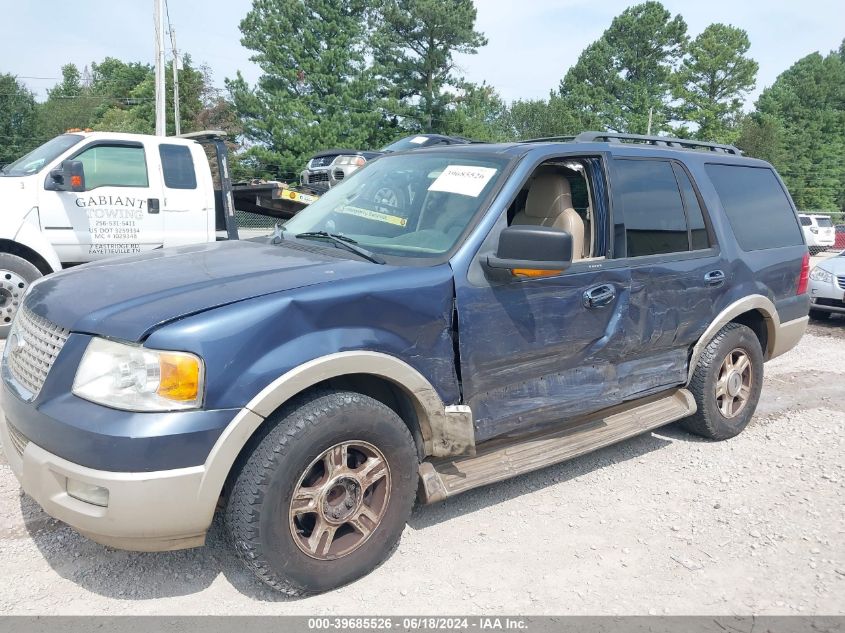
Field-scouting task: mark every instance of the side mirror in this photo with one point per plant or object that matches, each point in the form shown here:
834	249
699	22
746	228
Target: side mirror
69	177
526	248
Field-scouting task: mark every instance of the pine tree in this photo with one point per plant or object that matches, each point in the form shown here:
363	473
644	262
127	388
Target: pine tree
414	44
713	80
627	74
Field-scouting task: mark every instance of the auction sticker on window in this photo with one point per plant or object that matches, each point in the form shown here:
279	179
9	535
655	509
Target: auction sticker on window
467	180
418	140
377	216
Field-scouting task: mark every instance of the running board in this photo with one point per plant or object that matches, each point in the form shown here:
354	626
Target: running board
498	460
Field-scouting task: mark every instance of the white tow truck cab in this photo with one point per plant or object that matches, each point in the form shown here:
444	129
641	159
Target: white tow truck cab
85	196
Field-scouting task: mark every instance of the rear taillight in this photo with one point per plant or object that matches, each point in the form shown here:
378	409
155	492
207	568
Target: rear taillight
804	277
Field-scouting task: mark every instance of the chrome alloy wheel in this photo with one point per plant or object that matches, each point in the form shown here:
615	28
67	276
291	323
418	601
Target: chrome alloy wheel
733	384
12	289
340	500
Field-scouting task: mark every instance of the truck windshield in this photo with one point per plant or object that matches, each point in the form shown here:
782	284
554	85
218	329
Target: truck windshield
411	205
33	162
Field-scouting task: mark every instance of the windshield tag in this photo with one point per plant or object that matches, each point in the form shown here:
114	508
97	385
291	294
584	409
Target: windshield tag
418	140
466	180
374	215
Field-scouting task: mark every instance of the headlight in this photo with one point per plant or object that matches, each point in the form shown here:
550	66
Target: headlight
350	160
821	275
135	378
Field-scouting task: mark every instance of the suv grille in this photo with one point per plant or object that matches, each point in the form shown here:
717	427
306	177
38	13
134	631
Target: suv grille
841	281
338	174
34	343
19	440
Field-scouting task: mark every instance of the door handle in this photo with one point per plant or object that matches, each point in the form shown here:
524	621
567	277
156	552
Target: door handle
715	278
599	296
153	205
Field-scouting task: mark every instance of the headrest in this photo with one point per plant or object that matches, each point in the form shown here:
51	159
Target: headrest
548	196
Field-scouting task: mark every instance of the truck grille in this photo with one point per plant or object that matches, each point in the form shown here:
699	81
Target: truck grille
33	345
318	176
841	281
19	440
322	161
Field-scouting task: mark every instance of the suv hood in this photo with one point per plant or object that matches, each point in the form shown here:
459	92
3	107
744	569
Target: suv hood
127	297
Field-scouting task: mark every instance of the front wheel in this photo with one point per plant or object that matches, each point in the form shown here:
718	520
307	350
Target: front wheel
325	495
16	274
726	383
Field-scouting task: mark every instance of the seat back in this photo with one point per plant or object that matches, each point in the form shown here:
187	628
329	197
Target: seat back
549	203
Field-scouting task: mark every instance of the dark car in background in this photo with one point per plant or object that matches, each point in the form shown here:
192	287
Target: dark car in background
331	166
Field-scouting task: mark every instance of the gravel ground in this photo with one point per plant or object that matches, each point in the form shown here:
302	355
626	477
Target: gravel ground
663	523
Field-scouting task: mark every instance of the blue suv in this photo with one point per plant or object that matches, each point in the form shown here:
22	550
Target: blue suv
519	305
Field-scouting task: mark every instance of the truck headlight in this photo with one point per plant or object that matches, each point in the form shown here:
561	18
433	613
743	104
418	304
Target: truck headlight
350	160
136	378
821	275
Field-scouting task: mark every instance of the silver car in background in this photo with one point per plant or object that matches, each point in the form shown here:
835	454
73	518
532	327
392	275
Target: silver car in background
827	288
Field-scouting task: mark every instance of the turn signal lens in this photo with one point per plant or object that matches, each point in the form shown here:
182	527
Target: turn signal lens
180	377
531	272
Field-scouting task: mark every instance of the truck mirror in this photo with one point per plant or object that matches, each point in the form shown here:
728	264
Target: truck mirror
69	177
73	175
532	251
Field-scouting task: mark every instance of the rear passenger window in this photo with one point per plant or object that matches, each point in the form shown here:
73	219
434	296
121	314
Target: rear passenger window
178	167
756	205
654	213
695	218
805	221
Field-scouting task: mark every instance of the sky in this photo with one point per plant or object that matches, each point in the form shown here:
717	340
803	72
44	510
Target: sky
531	43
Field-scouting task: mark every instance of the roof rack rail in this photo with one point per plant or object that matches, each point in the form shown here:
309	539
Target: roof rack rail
663	141
565	139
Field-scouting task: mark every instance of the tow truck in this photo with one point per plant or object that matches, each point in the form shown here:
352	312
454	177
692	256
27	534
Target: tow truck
85	196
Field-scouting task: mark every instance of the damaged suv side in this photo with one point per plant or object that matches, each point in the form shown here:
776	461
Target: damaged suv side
518	305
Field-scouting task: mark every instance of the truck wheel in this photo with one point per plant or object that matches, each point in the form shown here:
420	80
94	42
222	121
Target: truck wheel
324	496
726	383
16	274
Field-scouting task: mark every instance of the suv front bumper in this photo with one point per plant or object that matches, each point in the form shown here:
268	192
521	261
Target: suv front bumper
152	511
828	296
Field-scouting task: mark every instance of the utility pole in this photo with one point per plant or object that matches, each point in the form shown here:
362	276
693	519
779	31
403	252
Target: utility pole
158	17
650	114
176	120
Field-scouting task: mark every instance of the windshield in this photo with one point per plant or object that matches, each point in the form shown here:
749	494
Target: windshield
410	142
33	162
409	205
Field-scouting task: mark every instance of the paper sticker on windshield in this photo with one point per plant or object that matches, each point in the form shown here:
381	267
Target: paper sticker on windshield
467	180
375	215
418	140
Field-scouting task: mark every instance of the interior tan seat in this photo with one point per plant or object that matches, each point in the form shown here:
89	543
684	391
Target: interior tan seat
549	203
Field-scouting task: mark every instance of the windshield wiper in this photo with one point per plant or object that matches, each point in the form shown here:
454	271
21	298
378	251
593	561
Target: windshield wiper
343	242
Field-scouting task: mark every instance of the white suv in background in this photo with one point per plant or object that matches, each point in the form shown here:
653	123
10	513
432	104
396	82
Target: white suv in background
818	231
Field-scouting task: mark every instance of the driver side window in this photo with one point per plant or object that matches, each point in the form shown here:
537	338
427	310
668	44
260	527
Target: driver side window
561	194
114	166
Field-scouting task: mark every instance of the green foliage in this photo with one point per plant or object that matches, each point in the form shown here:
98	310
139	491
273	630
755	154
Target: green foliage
713	80
628	72
478	113
414	45
18	119
68	105
538	118
761	136
808	102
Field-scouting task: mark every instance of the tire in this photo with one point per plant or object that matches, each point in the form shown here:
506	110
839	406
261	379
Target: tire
273	538
16	273
720	418
819	315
